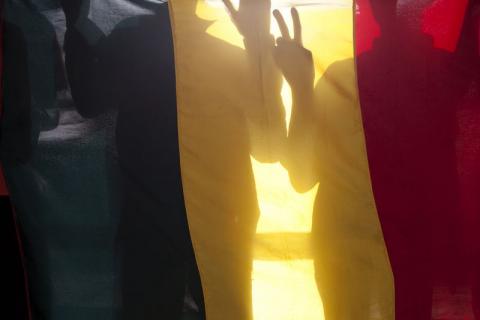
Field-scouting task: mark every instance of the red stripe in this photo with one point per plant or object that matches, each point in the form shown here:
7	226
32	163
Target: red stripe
411	93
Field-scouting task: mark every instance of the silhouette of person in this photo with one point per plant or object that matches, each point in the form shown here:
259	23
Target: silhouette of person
471	52
45	144
225	118
25	22
132	71
408	91
325	141
16	121
15	126
22	119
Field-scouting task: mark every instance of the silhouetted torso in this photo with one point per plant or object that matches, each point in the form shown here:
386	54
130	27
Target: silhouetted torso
136	75
132	71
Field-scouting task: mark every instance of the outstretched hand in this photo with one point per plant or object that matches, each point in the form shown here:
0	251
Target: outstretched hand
252	18
294	61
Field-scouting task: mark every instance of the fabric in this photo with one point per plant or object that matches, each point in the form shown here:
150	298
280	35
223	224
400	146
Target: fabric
214	159
418	86
240	203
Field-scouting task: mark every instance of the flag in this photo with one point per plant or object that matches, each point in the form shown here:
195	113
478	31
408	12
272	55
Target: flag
245	159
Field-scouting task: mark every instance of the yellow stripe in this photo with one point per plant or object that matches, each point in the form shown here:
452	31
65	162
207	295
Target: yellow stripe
251	230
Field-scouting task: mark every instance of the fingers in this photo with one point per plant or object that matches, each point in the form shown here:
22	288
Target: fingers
282	25
297	26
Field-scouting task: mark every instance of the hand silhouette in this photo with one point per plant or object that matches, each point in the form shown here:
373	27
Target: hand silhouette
294	61
252	18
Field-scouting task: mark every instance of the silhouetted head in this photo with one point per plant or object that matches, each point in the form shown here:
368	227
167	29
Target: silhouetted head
476	17
476	14
474	10
385	12
470	35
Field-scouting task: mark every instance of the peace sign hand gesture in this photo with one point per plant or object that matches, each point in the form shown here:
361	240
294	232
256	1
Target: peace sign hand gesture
295	62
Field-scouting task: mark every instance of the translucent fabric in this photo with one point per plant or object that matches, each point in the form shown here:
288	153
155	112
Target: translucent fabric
244	160
269	246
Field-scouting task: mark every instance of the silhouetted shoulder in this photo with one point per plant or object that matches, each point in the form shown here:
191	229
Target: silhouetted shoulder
340	77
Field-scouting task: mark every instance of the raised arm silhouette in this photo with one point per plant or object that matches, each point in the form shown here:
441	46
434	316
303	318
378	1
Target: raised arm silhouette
326	146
